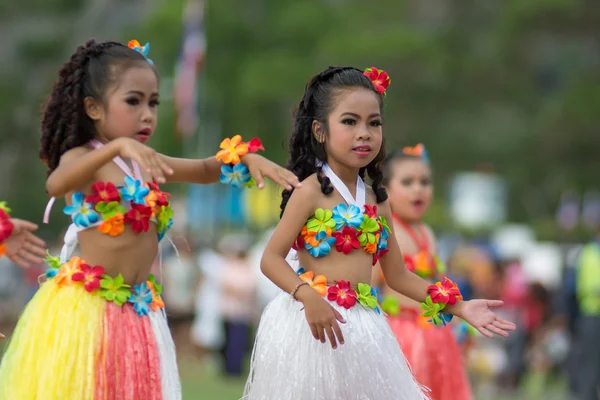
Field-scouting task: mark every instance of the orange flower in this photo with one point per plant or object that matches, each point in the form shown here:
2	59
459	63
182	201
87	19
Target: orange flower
68	269
157	302
233	149
113	226
371	248
3	249
319	283
133	44
309	237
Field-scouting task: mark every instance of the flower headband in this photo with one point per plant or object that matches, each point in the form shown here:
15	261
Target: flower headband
417	151
380	79
143	50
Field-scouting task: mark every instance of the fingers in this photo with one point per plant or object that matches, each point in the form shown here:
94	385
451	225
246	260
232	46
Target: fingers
2	336
338	333
154	169
321	333
258	177
290	178
22	225
29	257
494	303
314	330
20	261
485	332
496	330
35	245
164	166
331	336
338	316
505	325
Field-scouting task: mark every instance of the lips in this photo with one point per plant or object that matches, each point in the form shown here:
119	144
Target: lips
144	135
364	148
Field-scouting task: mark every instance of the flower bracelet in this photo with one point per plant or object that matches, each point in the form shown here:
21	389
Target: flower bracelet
234	172
6	226
439	295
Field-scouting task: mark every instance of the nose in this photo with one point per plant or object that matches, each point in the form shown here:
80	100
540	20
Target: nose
147	114
364	133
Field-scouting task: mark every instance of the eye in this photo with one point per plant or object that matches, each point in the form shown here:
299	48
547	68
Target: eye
349	121
376	123
426	182
406	182
154	103
132	101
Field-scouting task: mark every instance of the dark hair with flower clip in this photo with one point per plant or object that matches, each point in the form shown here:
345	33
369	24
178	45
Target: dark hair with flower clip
92	69
417	152
320	97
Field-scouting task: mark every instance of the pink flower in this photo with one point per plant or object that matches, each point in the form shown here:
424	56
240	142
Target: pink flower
90	276
342	294
444	292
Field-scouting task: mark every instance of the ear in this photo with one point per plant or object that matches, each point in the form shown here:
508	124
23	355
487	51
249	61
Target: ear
318	131
93	109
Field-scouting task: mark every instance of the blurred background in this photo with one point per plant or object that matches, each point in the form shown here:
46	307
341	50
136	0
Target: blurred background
505	95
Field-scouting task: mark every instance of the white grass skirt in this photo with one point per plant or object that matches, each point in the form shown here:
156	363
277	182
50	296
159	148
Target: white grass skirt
288	363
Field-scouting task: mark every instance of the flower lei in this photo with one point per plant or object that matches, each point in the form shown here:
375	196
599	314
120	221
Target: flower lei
144	297
342	292
233	171
440	294
6	226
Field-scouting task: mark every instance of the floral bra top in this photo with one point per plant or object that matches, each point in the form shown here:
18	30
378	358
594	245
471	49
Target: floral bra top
110	207
347	229
424	263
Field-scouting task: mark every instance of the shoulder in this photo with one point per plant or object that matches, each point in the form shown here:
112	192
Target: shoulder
74	153
303	199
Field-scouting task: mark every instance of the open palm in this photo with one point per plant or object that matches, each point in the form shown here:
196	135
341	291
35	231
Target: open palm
23	247
478	313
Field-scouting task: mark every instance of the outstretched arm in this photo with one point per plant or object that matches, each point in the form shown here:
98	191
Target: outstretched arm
475	312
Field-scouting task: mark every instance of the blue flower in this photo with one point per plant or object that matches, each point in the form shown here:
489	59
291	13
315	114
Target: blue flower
383	243
377	294
236	176
51	272
134	191
141	299
81	212
445	319
300	271
344	215
324	247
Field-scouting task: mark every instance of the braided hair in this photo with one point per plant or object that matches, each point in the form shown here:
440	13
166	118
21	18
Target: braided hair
90	71
316	104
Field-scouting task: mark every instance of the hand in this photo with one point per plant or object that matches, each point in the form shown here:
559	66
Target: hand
260	167
2	336
322	318
23	247
147	157
478	314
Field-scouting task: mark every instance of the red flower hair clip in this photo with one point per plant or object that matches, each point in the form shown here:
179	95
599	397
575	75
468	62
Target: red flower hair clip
380	79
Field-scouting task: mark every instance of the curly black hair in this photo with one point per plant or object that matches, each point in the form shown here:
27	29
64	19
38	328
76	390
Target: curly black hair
90	71
316	105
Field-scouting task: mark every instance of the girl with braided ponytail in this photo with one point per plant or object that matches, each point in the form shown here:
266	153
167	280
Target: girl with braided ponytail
339	227
96	329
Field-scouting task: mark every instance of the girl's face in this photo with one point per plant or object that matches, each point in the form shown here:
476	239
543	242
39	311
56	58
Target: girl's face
130	108
410	189
354	133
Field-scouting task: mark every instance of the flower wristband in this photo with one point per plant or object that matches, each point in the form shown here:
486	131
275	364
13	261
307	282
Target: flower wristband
6	226
234	172
439	295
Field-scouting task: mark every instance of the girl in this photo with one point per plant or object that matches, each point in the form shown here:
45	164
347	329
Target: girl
340	229
407	178
96	328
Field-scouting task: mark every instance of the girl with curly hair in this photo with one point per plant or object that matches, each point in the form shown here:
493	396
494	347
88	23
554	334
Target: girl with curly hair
96	328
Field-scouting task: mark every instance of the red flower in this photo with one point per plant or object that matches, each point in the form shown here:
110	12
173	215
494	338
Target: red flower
139	217
346	240
298	243
378	255
380	79
255	145
90	276
343	294
161	197
409	263
371	212
103	191
444	292
6	226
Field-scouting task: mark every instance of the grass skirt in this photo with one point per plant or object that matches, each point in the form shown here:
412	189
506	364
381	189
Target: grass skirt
289	364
